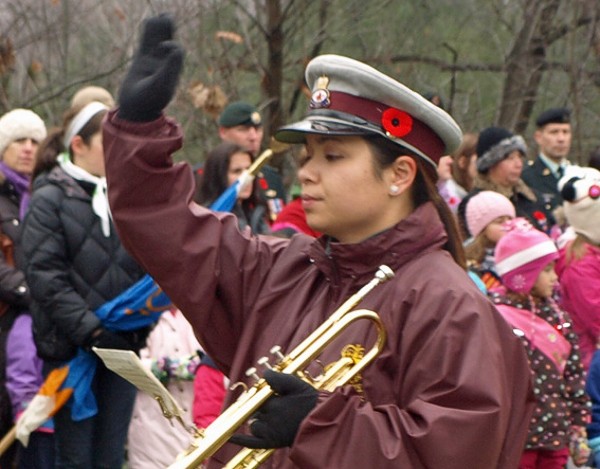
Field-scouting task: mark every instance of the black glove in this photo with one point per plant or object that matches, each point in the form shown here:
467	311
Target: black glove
137	339
278	420
154	73
108	339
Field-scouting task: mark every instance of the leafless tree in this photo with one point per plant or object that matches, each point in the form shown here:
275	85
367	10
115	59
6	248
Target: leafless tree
495	62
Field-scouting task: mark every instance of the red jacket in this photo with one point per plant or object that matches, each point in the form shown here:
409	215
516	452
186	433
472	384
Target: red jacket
451	388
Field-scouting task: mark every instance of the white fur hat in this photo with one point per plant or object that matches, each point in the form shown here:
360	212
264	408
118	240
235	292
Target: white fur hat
20	123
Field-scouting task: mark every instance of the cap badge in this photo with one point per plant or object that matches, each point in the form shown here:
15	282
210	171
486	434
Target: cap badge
255	118
396	123
320	97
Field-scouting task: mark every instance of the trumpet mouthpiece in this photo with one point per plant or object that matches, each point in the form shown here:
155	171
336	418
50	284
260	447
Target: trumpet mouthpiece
384	273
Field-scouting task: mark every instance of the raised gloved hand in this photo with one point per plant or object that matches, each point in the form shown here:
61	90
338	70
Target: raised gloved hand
107	339
154	73
275	425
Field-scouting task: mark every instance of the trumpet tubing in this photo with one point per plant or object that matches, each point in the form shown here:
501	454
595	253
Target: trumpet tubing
296	362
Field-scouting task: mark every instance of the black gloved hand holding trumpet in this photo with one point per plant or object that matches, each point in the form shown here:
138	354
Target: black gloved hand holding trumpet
277	422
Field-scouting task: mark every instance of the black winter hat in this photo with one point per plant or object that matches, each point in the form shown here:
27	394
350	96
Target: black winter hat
558	115
494	144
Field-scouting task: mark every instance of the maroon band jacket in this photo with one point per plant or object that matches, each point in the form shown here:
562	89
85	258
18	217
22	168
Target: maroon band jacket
450	390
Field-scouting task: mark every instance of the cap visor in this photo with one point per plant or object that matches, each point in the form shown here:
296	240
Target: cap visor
296	132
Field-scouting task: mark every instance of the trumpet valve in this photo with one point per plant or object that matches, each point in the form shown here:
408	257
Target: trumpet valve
276	350
264	361
251	372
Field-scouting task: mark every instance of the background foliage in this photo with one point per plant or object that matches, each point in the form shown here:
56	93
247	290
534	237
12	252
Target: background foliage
492	61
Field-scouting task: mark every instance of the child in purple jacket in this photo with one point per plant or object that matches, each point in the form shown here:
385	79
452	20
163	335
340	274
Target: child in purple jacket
23	380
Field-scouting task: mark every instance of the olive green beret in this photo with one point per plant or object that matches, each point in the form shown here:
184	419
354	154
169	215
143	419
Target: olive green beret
239	113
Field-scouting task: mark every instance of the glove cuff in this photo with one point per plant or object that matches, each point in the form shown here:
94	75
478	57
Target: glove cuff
130	114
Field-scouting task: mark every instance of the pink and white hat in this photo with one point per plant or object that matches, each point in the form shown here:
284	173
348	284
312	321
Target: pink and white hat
522	254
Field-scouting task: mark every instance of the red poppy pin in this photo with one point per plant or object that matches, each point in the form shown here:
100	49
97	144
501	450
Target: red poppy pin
396	123
539	216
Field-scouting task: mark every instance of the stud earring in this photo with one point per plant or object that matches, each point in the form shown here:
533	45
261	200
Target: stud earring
394	189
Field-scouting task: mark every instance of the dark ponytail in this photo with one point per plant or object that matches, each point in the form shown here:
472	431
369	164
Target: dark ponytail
49	149
424	190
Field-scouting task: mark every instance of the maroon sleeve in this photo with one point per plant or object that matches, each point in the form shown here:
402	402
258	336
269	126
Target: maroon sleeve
209	269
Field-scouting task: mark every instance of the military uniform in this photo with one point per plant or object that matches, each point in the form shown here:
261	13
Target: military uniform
540	177
270	183
272	190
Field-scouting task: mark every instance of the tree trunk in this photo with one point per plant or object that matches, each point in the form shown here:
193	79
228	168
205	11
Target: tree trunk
525	65
273	78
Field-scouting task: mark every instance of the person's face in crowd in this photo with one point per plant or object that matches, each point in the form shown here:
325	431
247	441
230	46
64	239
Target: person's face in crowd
89	157
238	163
20	155
246	136
342	193
494	231
546	282
507	172
554	140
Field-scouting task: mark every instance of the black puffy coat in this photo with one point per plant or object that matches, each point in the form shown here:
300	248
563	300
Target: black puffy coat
70	266
13	292
13	288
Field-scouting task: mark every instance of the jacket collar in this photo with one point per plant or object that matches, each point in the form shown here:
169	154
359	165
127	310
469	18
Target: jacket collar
59	178
422	231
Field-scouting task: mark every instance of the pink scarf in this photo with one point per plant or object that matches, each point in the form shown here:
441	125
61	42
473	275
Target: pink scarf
540	334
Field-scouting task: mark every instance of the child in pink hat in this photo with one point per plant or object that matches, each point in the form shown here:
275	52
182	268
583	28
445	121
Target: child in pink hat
525	259
485	213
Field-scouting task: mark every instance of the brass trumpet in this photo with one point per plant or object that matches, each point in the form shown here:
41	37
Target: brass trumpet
337	374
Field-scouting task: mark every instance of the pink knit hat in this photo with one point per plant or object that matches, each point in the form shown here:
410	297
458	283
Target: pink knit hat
521	254
484	207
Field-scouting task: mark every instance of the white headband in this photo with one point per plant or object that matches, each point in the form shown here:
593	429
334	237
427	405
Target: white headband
81	119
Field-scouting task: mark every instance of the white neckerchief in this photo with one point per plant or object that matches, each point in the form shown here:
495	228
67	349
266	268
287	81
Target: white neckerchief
99	198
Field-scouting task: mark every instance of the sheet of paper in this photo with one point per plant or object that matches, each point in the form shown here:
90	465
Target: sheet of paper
128	365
